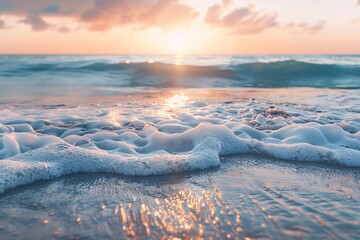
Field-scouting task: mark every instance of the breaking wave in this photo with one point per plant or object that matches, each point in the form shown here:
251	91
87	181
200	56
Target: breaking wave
278	74
137	140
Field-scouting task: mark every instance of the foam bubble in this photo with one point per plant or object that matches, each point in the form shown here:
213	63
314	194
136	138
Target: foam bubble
43	143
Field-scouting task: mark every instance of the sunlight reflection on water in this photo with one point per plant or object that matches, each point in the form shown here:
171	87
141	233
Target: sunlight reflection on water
178	100
181	214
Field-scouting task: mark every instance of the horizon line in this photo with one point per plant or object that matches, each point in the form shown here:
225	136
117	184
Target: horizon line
179	54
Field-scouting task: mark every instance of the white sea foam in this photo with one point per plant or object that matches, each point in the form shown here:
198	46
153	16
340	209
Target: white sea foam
168	136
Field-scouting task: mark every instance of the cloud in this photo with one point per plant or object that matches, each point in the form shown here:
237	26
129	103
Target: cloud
2	24
33	12
44	7
248	20
355	20
63	29
102	15
36	22
242	21
227	3
165	14
306	27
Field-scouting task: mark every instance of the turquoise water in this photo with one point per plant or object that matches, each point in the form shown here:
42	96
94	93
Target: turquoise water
270	71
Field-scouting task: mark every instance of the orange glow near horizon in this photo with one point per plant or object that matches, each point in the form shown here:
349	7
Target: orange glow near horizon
92	43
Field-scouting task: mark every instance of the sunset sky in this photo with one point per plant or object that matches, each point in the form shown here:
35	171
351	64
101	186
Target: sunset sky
179	26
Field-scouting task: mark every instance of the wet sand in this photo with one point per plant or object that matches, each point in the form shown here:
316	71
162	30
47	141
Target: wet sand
246	197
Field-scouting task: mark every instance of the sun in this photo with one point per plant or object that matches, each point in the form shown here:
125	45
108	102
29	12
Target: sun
179	40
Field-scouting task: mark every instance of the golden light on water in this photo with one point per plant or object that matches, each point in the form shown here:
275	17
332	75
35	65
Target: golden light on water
114	117
179	60
174	105
178	100
185	213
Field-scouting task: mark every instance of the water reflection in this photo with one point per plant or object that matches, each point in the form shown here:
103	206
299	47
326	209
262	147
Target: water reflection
173	105
114	117
246	198
184	214
179	60
178	100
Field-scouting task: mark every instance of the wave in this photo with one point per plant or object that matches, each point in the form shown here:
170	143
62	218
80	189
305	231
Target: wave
48	157
175	136
300	74
289	73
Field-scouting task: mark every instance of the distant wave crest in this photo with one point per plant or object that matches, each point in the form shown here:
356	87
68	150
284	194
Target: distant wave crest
289	73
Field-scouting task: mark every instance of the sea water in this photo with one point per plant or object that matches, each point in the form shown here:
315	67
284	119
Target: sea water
156	115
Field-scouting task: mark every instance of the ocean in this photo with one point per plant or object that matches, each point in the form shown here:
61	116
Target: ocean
152	145
193	71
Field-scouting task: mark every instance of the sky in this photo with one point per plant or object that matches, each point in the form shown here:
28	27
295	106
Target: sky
179	27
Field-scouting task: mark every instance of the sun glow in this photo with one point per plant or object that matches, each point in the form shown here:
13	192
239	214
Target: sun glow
179	40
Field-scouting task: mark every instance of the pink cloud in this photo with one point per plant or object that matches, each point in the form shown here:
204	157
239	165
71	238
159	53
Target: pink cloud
36	22
34	11
165	14
248	20
306	27
243	21
101	15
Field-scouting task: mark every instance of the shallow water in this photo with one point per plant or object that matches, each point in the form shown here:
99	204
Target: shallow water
248	196
153	133
156	133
